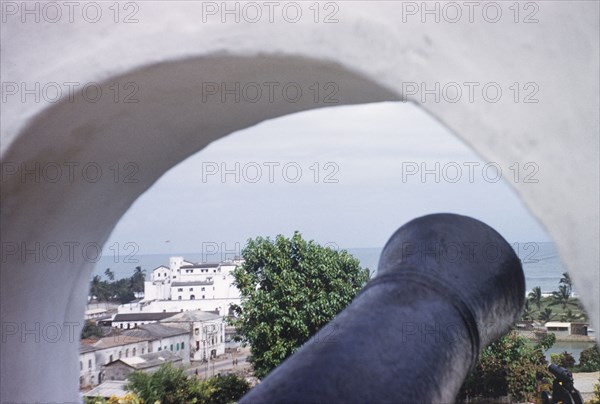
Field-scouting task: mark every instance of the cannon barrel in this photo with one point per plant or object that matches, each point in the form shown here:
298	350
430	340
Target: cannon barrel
562	374
446	286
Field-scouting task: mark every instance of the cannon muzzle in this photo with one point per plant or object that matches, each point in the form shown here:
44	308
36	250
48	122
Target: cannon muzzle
561	374
447	286
563	388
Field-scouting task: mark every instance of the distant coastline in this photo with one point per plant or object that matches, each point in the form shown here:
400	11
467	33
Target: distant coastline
541	263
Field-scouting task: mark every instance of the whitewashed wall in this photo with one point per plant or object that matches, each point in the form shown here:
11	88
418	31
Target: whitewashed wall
169	55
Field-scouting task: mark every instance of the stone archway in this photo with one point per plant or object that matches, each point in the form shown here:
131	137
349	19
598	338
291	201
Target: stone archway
42	295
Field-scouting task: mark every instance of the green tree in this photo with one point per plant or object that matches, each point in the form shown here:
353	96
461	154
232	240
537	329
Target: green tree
589	360
566	281
101	289
596	398
225	389
91	329
290	289
527	314
546	315
536	296
137	280
562	296
569	316
564	359
168	385
96	287
128	398
121	291
109	274
508	367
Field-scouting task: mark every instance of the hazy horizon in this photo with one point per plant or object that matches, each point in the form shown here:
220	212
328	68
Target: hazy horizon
346	175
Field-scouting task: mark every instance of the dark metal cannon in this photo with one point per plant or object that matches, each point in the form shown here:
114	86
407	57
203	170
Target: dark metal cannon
563	388
447	286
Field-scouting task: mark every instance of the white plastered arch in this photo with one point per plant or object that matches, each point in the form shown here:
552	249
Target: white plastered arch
369	54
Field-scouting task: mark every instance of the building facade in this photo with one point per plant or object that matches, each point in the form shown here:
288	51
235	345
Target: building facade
88	375
126	321
206	332
185	286
161	337
94	356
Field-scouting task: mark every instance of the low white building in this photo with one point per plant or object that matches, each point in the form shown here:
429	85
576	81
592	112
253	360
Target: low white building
92	357
119	346
567	328
126	321
558	328
161	337
220	306
206	332
124	344
93	314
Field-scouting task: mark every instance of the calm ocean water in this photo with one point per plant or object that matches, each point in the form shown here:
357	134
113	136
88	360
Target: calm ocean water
572	347
541	263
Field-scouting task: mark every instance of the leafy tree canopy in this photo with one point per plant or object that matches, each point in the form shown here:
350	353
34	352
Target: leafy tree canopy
589	360
121	290
170	385
290	288
508	366
91	329
225	389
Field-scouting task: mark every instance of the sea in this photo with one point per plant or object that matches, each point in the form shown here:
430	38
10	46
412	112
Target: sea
541	264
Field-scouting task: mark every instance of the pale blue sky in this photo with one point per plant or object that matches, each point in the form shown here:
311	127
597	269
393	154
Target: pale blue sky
368	148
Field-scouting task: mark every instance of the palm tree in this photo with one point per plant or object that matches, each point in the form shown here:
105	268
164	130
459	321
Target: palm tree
536	296
96	287
569	316
566	281
546	315
527	314
562	296
109	274
137	280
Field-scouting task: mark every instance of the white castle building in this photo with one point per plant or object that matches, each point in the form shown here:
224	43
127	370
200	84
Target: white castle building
185	286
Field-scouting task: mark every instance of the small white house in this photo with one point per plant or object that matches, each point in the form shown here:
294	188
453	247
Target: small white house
558	328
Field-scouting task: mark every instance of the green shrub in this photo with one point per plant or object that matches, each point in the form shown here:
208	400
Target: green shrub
225	389
589	361
596	398
170	385
565	360
508	367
